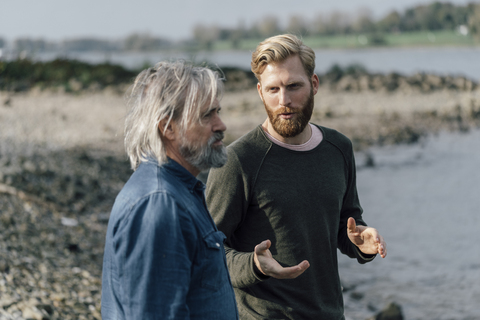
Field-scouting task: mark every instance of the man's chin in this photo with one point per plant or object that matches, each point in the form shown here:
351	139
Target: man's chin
216	159
288	130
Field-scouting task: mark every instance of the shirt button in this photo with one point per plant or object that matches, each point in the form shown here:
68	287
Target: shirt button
217	244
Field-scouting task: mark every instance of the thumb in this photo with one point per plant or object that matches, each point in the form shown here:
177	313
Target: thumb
351	225
262	246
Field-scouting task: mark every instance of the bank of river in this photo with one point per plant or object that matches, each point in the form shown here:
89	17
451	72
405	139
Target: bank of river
425	200
62	164
438	60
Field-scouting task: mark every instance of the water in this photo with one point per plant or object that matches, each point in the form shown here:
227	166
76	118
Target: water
442	60
425	201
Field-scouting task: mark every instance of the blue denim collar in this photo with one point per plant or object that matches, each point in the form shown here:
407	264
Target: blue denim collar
177	170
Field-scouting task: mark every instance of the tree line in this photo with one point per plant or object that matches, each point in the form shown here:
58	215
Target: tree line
432	17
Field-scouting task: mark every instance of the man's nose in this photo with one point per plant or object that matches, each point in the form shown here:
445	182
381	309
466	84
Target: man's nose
218	125
284	98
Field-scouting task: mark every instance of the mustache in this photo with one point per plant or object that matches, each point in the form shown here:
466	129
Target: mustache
218	135
287	110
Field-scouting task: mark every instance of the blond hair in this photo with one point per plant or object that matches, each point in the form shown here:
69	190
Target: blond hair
171	91
277	49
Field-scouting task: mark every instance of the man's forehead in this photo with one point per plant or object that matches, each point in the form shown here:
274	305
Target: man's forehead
290	69
209	105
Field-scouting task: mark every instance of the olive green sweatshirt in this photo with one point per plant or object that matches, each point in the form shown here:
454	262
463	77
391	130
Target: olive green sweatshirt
300	200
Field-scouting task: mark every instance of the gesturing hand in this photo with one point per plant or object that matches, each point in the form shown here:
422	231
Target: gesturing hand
270	267
367	239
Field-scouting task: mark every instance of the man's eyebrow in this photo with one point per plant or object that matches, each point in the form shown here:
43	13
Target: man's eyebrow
298	81
211	109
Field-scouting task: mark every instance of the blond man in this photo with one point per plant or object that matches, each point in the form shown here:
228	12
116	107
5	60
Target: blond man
286	198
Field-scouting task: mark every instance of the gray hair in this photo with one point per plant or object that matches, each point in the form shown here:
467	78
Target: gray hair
175	91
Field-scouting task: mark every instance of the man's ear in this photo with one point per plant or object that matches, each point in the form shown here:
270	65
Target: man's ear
259	89
167	129
315	83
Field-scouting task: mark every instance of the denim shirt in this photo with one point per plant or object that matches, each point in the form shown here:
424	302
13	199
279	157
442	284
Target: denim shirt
164	257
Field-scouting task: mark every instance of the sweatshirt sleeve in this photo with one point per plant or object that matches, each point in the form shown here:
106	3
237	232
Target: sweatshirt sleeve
351	208
227	194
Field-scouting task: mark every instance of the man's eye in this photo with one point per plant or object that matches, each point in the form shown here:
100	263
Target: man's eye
211	113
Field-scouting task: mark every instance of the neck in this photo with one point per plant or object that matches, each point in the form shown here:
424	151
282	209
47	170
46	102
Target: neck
300	138
173	154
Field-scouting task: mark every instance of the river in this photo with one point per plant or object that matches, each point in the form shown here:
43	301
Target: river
438	60
425	200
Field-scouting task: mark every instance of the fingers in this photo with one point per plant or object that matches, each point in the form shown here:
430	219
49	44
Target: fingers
290	272
380	242
382	247
269	266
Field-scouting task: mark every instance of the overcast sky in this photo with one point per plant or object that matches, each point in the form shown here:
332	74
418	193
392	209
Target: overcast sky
172	19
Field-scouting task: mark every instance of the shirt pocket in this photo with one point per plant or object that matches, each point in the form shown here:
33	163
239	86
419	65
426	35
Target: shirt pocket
214	267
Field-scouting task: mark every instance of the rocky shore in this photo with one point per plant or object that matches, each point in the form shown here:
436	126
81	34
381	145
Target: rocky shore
62	164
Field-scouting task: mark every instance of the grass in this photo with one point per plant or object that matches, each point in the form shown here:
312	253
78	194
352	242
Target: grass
420	38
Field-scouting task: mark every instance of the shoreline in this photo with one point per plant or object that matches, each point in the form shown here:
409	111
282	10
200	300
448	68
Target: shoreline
62	164
94	119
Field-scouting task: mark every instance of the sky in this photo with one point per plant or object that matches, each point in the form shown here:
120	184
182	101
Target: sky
172	19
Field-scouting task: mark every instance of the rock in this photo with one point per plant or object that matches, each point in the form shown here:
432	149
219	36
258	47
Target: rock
7	102
347	83
392	312
33	313
46	307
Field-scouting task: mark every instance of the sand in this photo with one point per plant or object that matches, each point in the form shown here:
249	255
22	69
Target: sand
62	120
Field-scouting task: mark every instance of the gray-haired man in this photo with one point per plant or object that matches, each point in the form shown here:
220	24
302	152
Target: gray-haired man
164	257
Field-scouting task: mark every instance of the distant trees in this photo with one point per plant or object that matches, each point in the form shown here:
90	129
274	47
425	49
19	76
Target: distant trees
435	16
205	36
297	25
364	22
431	17
267	27
89	44
474	21
144	42
335	23
32	45
390	23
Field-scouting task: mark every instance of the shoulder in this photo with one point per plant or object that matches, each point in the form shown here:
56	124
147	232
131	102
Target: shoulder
149	191
253	140
148	179
251	147
148	215
338	140
245	157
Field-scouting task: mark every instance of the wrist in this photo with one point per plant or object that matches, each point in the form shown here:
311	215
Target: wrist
256	270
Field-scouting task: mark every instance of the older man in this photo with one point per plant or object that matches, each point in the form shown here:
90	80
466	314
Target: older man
164	257
287	198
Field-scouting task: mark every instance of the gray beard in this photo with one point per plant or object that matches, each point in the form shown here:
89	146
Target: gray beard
207	156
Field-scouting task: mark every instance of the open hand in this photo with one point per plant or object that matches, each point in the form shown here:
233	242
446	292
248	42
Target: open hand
270	267
367	239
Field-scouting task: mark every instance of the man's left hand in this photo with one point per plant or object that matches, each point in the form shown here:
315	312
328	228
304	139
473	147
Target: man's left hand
367	239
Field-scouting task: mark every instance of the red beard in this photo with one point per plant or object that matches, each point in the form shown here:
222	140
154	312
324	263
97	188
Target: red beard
288	128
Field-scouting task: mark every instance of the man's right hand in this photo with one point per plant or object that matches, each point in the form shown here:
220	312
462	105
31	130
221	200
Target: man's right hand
270	267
